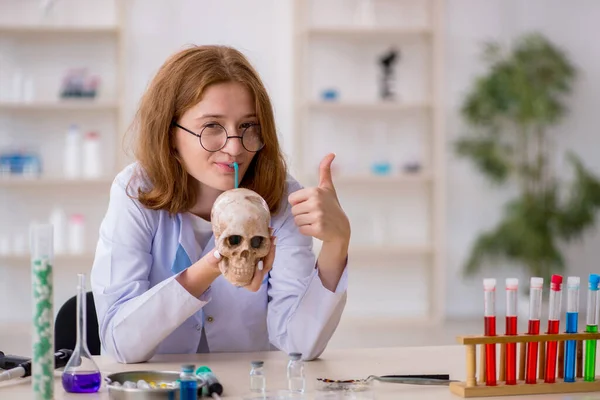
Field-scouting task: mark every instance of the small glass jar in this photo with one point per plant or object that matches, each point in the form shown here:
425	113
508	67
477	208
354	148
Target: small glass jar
295	373
258	380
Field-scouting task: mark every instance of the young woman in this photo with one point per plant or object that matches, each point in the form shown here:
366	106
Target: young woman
156	282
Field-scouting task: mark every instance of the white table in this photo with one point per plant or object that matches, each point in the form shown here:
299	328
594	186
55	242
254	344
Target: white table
232	370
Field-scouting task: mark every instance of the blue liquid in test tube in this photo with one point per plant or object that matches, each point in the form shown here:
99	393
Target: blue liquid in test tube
572	314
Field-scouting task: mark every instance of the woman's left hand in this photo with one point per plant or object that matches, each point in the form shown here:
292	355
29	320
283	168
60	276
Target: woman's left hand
317	211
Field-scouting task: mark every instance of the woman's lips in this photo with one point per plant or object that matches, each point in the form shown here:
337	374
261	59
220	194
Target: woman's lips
225	167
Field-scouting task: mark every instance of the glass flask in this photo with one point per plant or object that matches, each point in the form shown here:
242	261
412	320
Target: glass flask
81	374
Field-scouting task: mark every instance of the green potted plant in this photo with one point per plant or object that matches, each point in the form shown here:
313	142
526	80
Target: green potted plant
509	111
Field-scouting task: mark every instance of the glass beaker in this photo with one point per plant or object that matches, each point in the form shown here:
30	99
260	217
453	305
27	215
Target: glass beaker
81	374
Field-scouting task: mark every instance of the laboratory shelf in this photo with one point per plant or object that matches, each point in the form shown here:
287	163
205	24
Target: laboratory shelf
346	47
59	259
367	106
381	251
57	29
54	182
60	105
367	33
365	179
394	179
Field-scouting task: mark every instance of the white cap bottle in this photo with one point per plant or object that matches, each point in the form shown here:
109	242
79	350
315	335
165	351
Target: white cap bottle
58	218
76	234
92	168
72	155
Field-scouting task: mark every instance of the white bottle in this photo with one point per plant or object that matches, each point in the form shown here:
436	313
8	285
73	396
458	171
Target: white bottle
72	160
58	218
91	156
4	245
76	234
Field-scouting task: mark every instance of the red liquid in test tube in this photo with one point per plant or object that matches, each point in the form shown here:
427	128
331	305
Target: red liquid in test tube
489	290
553	327
512	285
536	287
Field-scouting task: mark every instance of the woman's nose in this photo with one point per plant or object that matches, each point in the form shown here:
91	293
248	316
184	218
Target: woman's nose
233	146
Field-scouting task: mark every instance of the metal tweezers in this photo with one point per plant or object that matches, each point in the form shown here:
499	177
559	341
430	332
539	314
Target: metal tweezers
431	380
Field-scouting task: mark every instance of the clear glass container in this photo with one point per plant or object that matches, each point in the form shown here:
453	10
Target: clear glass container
81	374
258	380
295	373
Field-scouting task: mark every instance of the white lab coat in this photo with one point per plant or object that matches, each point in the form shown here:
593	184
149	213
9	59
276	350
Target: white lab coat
142	310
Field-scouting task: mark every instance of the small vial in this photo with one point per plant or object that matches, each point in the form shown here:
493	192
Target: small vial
188	383
258	380
295	373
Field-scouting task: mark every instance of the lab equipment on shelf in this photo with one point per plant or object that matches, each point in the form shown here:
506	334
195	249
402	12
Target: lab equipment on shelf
58	219
77	234
20	162
92	160
72	153
79	84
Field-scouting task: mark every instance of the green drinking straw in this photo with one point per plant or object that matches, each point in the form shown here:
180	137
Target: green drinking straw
591	327
235	166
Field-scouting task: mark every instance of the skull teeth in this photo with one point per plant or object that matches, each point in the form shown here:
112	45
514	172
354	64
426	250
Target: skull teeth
241	271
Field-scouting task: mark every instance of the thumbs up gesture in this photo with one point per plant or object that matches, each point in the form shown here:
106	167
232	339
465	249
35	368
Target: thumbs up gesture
317	210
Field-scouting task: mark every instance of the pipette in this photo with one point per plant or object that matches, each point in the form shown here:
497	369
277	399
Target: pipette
23	369
589	373
536	286
489	289
572	316
553	326
512	285
235	167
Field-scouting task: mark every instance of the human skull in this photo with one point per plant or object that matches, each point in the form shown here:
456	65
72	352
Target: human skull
240	221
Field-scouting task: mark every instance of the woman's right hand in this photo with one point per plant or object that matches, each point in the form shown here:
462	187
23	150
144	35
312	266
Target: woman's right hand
200	275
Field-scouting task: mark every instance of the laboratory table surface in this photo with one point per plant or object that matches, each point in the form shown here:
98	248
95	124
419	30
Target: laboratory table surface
232	370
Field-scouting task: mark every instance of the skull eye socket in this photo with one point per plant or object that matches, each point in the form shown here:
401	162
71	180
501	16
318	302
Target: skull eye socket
256	242
234	240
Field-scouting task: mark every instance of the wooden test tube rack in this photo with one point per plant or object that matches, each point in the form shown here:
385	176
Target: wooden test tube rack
473	387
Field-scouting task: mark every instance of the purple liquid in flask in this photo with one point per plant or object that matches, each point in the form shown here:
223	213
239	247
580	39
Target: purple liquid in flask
81	374
82	382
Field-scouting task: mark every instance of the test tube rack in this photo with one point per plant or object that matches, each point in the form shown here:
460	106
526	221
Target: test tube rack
475	386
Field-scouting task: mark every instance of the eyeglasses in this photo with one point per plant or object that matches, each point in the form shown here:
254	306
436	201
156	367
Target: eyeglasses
213	137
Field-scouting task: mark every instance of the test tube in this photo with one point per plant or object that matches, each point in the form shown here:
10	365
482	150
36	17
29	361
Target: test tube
489	289
589	373
42	370
553	326
536	287
572	316
512	285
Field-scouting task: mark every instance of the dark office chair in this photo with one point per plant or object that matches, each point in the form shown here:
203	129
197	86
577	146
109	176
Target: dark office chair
65	326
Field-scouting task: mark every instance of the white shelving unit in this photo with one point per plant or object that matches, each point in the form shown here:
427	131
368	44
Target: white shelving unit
398	217
71	35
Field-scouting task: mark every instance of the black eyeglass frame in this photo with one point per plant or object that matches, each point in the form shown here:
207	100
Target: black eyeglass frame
241	137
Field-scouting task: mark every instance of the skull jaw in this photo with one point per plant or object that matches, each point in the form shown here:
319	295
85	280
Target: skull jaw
237	272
